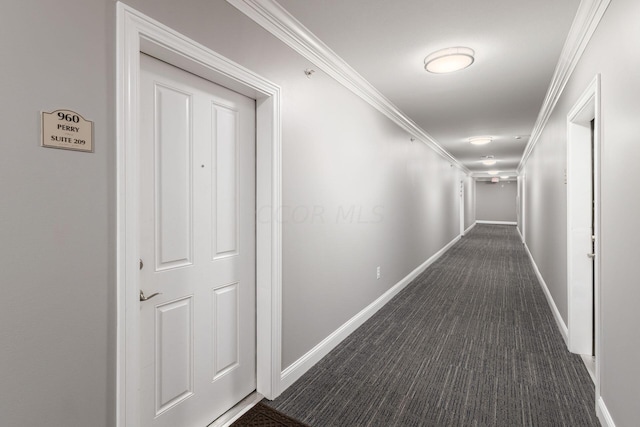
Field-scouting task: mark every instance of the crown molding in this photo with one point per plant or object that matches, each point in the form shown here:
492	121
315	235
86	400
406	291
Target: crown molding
279	22
589	14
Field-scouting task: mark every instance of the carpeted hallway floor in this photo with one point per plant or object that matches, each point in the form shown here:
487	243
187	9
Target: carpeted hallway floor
470	342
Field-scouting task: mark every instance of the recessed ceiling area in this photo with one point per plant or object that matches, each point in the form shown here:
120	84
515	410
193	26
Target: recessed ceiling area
516	47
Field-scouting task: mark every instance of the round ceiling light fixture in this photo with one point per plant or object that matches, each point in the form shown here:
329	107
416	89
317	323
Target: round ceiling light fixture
493	172
489	162
480	140
449	60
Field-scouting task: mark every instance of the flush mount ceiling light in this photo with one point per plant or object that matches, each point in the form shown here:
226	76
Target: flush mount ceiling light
449	60
480	140
488	160
504	176
493	172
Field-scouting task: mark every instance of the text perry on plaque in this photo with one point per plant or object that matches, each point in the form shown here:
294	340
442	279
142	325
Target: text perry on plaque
68	130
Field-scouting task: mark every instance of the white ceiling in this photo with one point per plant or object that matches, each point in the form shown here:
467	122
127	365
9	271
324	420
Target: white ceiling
517	45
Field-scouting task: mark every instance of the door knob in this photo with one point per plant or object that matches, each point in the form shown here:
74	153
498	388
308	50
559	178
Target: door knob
144	298
592	256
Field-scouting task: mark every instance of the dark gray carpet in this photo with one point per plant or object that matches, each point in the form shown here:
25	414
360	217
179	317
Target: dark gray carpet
470	342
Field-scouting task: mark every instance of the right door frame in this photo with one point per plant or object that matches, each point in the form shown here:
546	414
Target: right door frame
581	298
462	206
522	200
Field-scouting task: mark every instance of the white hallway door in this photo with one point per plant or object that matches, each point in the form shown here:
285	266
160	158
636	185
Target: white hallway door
197	247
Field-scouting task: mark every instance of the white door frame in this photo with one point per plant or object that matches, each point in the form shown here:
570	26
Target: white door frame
462	195
522	182
580	297
138	33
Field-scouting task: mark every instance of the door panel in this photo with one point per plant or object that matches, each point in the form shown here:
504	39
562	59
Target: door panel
226	160
197	222
173	353
226	334
173	146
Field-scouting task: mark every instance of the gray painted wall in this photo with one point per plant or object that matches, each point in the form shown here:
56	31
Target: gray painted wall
496	202
57	227
613	53
378	200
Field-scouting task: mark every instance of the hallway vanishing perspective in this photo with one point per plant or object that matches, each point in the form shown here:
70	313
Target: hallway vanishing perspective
470	342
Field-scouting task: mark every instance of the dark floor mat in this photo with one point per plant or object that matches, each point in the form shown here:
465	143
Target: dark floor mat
265	416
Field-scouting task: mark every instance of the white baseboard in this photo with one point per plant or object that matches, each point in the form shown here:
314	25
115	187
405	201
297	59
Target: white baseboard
603	414
497	222
554	309
470	227
298	368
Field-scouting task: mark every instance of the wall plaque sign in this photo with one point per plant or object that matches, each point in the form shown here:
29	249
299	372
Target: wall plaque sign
68	130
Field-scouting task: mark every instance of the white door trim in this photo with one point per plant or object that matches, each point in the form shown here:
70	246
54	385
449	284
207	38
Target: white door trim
462	196
138	33
587	108
523	206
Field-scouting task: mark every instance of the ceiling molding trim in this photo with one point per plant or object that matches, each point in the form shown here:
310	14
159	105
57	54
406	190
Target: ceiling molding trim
278	21
589	14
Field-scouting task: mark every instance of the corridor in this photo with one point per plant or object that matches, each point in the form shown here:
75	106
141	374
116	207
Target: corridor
369	166
470	342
